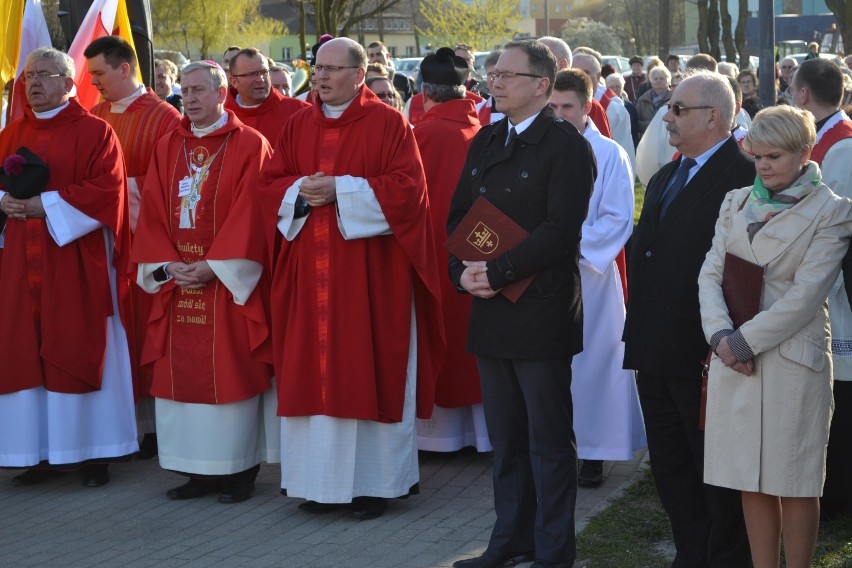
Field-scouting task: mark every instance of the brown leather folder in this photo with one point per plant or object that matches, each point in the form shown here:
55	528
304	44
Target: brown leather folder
485	233
742	286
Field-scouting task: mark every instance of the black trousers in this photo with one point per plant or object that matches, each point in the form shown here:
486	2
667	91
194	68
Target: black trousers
707	521
837	492
529	414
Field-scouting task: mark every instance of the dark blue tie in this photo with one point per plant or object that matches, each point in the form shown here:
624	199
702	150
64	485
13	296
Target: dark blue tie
677	185
512	135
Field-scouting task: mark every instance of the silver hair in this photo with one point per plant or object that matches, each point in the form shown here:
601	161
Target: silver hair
660	69
63	62
615	78
715	92
442	93
214	71
558	47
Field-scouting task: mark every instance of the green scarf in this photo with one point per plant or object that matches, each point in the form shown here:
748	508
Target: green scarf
763	205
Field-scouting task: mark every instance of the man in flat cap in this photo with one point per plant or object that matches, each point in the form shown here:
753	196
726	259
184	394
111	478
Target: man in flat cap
443	136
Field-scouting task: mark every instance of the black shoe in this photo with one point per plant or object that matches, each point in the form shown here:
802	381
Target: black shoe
194	488
591	473
147	447
495	559
319	508
95	475
34	476
365	508
236	489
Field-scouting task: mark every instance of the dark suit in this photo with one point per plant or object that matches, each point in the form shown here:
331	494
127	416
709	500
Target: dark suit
543	180
665	343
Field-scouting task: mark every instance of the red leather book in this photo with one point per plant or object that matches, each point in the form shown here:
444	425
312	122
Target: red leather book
485	233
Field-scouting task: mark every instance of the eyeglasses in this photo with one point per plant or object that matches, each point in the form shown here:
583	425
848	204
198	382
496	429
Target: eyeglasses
386	96
787	66
677	109
253	74
494	75
41	76
330	69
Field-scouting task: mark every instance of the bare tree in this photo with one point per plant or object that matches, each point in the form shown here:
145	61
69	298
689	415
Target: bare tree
842	10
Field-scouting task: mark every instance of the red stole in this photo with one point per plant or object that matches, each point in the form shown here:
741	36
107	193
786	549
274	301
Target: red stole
832	136
485	114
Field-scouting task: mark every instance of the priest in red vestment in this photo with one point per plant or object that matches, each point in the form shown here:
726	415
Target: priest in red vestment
201	251
66	395
356	322
256	103
140	119
443	137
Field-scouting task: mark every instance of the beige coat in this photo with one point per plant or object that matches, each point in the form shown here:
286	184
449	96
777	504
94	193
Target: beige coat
768	432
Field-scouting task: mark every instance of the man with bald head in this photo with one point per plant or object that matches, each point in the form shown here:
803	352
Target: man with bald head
619	118
564	59
357	333
663	337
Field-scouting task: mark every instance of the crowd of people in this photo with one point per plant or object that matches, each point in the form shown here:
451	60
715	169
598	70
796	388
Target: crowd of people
224	275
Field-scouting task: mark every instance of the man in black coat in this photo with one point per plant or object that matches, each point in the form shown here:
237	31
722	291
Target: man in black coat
663	337
539	171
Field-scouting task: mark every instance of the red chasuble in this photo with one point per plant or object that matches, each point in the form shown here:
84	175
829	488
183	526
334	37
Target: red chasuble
443	137
139	128
832	136
270	116
416	109
56	300
341	310
205	348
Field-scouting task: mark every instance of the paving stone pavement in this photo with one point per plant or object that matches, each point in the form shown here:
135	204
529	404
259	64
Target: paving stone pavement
130	524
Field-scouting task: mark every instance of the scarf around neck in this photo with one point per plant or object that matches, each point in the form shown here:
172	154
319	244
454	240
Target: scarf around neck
762	205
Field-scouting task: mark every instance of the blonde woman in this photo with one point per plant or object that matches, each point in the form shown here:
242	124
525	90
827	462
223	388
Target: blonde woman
769	393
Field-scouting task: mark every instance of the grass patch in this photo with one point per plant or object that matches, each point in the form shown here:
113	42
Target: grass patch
639	200
627	534
834	545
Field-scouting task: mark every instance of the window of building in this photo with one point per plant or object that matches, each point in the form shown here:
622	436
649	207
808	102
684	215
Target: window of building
286	54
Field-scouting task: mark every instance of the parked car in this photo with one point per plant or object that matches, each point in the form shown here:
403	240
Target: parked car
621	64
175	57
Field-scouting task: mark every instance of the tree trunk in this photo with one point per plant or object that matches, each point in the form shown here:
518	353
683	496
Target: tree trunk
302	34
665	42
713	29
727	36
739	35
703	47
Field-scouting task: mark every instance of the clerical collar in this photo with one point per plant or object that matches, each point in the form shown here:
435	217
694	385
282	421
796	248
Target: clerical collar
120	106
822	122
242	105
335	111
202	132
52	112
